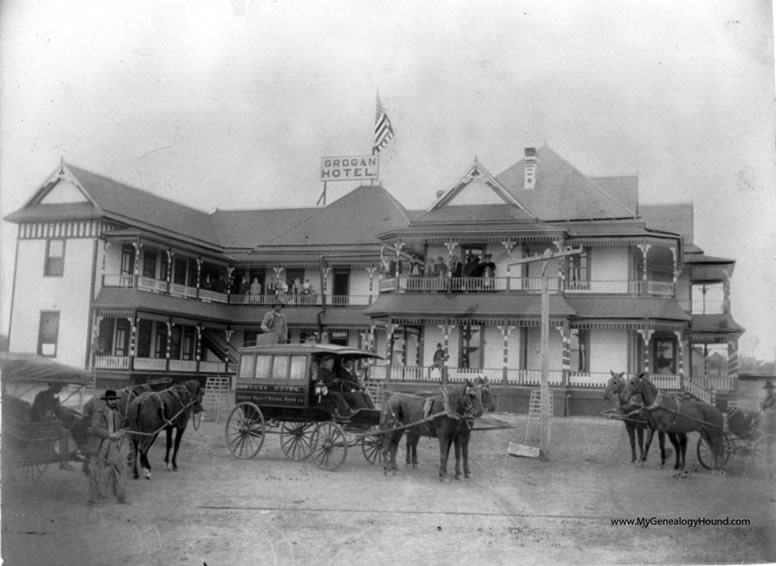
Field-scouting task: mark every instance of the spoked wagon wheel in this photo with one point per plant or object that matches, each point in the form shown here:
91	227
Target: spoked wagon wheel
372	447
706	456
245	431
296	440
764	456
330	447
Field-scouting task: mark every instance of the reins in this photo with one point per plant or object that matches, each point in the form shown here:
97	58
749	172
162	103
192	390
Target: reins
175	392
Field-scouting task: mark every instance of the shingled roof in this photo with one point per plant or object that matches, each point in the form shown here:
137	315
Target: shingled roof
355	218
563	192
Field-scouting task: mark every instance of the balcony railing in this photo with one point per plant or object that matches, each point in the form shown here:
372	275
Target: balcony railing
415	284
111	362
152	364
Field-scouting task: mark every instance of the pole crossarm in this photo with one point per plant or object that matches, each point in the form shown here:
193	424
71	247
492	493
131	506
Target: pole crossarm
547	256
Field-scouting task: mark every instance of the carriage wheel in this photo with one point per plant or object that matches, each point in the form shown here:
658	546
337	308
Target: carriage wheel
196	419
330	447
296	440
245	431
372	447
706	456
764	456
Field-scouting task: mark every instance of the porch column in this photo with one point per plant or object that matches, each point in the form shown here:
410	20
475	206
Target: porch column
371	271
96	337
508	245
170	257
389	333
419	348
199	345
105	247
199	275
228	336
132	341
675	268
644	250
404	346
168	351
726	294
138	246
680	360
372	343
565	333
445	344
506	330
646	336
229	272
560	245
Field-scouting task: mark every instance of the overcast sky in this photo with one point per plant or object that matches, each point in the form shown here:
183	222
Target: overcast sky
231	104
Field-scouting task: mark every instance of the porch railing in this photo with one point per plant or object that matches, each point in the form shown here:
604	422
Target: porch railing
213	296
586	379
153	285
699	392
178	290
153	364
111	362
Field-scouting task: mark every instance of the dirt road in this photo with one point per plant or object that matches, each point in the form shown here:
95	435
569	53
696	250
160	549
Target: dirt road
221	511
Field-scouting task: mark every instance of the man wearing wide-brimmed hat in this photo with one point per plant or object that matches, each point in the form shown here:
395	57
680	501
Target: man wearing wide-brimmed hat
107	451
275	322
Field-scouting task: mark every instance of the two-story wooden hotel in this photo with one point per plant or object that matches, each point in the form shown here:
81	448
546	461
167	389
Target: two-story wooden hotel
121	281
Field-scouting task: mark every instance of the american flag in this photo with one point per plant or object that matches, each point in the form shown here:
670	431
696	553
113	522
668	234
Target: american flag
383	128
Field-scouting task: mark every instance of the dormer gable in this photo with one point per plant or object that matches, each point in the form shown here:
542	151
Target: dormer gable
476	186
61	187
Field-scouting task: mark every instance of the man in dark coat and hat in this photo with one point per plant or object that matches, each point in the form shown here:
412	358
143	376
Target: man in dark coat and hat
274	322
107	450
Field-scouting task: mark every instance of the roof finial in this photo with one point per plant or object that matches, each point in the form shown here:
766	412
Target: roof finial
61	165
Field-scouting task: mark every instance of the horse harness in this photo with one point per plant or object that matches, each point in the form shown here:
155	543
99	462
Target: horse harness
657	405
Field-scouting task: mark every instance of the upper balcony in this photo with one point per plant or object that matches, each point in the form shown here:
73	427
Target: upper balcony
420	284
312	298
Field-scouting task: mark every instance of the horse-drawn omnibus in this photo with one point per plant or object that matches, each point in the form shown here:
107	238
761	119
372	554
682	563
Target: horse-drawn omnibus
278	389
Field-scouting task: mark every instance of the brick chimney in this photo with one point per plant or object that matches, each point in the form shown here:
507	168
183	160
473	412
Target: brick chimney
530	168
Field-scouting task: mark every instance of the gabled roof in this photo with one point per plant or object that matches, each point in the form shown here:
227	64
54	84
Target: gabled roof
355	218
474	213
477	173
562	192
117	201
625	188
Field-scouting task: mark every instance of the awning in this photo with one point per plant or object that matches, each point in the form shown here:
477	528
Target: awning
467	306
715	324
628	308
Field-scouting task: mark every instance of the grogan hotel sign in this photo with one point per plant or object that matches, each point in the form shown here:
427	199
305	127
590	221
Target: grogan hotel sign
350	168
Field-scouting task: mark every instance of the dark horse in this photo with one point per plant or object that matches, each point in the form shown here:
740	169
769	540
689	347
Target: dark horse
637	423
444	415
668	413
461	440
168	410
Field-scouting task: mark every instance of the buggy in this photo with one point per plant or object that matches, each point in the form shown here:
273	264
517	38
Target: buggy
30	445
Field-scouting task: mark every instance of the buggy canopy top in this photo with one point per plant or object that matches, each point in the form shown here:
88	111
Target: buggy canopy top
31	368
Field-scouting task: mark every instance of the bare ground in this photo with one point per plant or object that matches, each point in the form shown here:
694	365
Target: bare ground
218	510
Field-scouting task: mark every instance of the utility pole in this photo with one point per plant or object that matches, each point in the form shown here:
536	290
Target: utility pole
544	446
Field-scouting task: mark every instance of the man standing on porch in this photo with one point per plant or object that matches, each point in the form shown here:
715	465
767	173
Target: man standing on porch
438	369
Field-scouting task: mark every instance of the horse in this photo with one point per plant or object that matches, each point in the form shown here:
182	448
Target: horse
461	440
443	416
168	410
668	413
636	423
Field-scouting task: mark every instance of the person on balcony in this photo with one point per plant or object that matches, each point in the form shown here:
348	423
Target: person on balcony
308	293
274	323
296	289
488	272
440	357
255	290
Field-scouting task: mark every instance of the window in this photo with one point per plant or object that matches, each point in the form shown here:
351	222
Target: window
263	363
55	258
188	343
280	367
144	330
123	331
247	366
149	264
160	340
48	333
298	365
